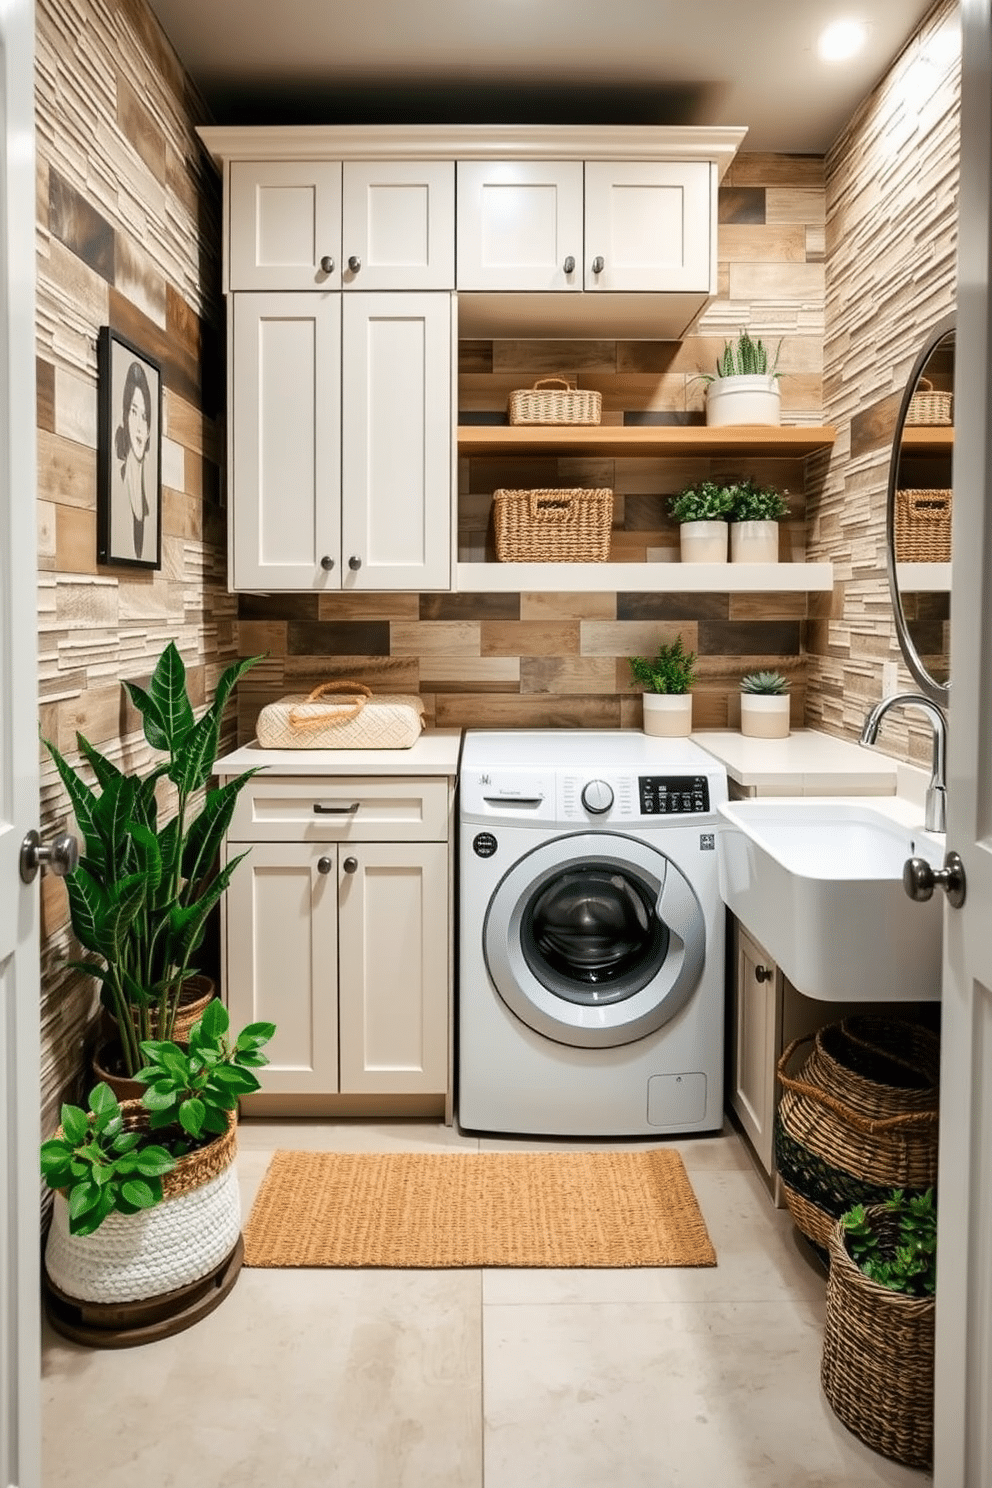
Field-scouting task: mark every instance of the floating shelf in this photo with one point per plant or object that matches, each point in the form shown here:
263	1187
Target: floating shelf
643	578
925	439
642	439
923	578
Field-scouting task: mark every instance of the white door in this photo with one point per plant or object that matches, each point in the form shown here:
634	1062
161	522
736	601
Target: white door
963	1445
520	224
396	468
648	226
285	401
398	224
284	224
20	1371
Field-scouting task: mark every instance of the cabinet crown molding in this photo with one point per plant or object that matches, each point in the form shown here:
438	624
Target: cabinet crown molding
473	142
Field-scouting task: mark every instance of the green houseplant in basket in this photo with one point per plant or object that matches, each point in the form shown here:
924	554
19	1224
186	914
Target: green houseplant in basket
878	1347
667	681
143	891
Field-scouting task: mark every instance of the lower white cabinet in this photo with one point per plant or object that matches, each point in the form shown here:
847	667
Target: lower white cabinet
757	1024
341	938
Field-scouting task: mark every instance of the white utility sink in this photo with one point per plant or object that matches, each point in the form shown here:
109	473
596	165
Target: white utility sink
818	882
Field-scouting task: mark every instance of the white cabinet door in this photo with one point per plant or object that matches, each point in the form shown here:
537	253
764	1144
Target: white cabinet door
282	964
285	402
648	225
756	1044
519	225
396	457
394	968
398	227
284	225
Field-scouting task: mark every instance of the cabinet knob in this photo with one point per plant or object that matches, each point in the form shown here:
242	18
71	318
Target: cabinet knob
327	563
763	973
598	264
327	264
324	865
354	563
350	865
569	264
354	263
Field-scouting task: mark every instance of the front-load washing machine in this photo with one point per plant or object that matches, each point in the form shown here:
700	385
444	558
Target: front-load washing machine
591	934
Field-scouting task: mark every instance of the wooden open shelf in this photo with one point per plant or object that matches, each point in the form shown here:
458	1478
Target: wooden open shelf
924	439
644	439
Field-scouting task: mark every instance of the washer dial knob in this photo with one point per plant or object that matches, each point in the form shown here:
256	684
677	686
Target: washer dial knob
597	797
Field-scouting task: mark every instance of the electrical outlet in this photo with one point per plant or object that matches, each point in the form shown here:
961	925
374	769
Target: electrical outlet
890	678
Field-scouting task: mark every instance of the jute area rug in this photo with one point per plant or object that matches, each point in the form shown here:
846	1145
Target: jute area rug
477	1209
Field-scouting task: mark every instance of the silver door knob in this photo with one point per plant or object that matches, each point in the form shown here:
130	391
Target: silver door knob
60	856
598	264
327	563
350	865
763	974
354	563
354	263
324	865
569	264
327	264
919	879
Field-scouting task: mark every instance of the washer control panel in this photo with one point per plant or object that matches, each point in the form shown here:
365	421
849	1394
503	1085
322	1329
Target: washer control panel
673	795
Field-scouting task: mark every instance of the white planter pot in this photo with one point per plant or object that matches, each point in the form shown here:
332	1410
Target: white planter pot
765	715
703	542
743	400
668	715
754	542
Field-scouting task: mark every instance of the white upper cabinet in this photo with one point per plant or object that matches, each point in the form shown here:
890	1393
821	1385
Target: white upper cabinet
520	225
322	225
648	226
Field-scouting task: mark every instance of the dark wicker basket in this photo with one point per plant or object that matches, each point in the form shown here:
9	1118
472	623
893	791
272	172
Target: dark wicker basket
878	1355
858	1121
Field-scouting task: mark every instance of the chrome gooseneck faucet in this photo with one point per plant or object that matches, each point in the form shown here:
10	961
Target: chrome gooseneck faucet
935	810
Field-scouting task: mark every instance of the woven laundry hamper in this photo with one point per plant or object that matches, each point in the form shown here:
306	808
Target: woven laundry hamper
553	400
858	1120
923	525
569	525
877	1368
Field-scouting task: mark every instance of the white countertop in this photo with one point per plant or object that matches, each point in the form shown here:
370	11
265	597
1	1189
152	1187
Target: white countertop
435	753
807	763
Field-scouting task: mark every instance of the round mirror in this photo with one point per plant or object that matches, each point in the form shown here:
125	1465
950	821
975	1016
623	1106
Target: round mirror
918	515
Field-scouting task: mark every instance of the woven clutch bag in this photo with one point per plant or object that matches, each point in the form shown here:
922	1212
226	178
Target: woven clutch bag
341	715
553	400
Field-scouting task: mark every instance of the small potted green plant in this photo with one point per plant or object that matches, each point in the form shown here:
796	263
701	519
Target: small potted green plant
765	705
667	681
703	513
744	389
754	519
878	1345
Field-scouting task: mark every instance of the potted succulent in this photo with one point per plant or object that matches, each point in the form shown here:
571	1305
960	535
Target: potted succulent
703	513
765	705
147	1202
745	388
141	896
878	1346
667	680
754	519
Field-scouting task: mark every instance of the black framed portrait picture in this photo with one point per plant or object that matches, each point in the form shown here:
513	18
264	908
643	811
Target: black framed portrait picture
129	454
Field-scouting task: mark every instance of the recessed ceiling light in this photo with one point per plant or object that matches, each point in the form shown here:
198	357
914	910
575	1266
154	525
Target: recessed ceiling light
842	39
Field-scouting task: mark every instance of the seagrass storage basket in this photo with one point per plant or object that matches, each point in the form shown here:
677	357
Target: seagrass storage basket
858	1120
928	406
553	526
923	526
877	1369
553	400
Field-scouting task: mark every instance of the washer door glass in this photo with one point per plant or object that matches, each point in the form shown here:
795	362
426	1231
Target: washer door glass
594	939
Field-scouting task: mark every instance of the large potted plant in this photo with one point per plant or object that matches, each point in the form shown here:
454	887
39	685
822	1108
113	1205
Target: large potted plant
667	681
703	513
745	388
143	891
146	1222
754	518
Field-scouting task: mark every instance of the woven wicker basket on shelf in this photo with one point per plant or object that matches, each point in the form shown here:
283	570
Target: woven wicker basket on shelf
927	406
553	526
923	526
877	1369
859	1120
553	400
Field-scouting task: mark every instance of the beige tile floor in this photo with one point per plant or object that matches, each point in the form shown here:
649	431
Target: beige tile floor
469	1379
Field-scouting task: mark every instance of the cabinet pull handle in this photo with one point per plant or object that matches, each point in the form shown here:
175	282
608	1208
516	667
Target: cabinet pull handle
321	810
598	264
569	264
324	865
763	973
327	563
350	865
354	263
354	563
327	264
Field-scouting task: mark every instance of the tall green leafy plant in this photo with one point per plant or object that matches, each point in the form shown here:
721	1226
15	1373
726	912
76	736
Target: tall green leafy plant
671	671
143	892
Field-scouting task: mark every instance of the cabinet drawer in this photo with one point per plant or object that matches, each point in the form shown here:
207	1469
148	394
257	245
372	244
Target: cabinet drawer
339	809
